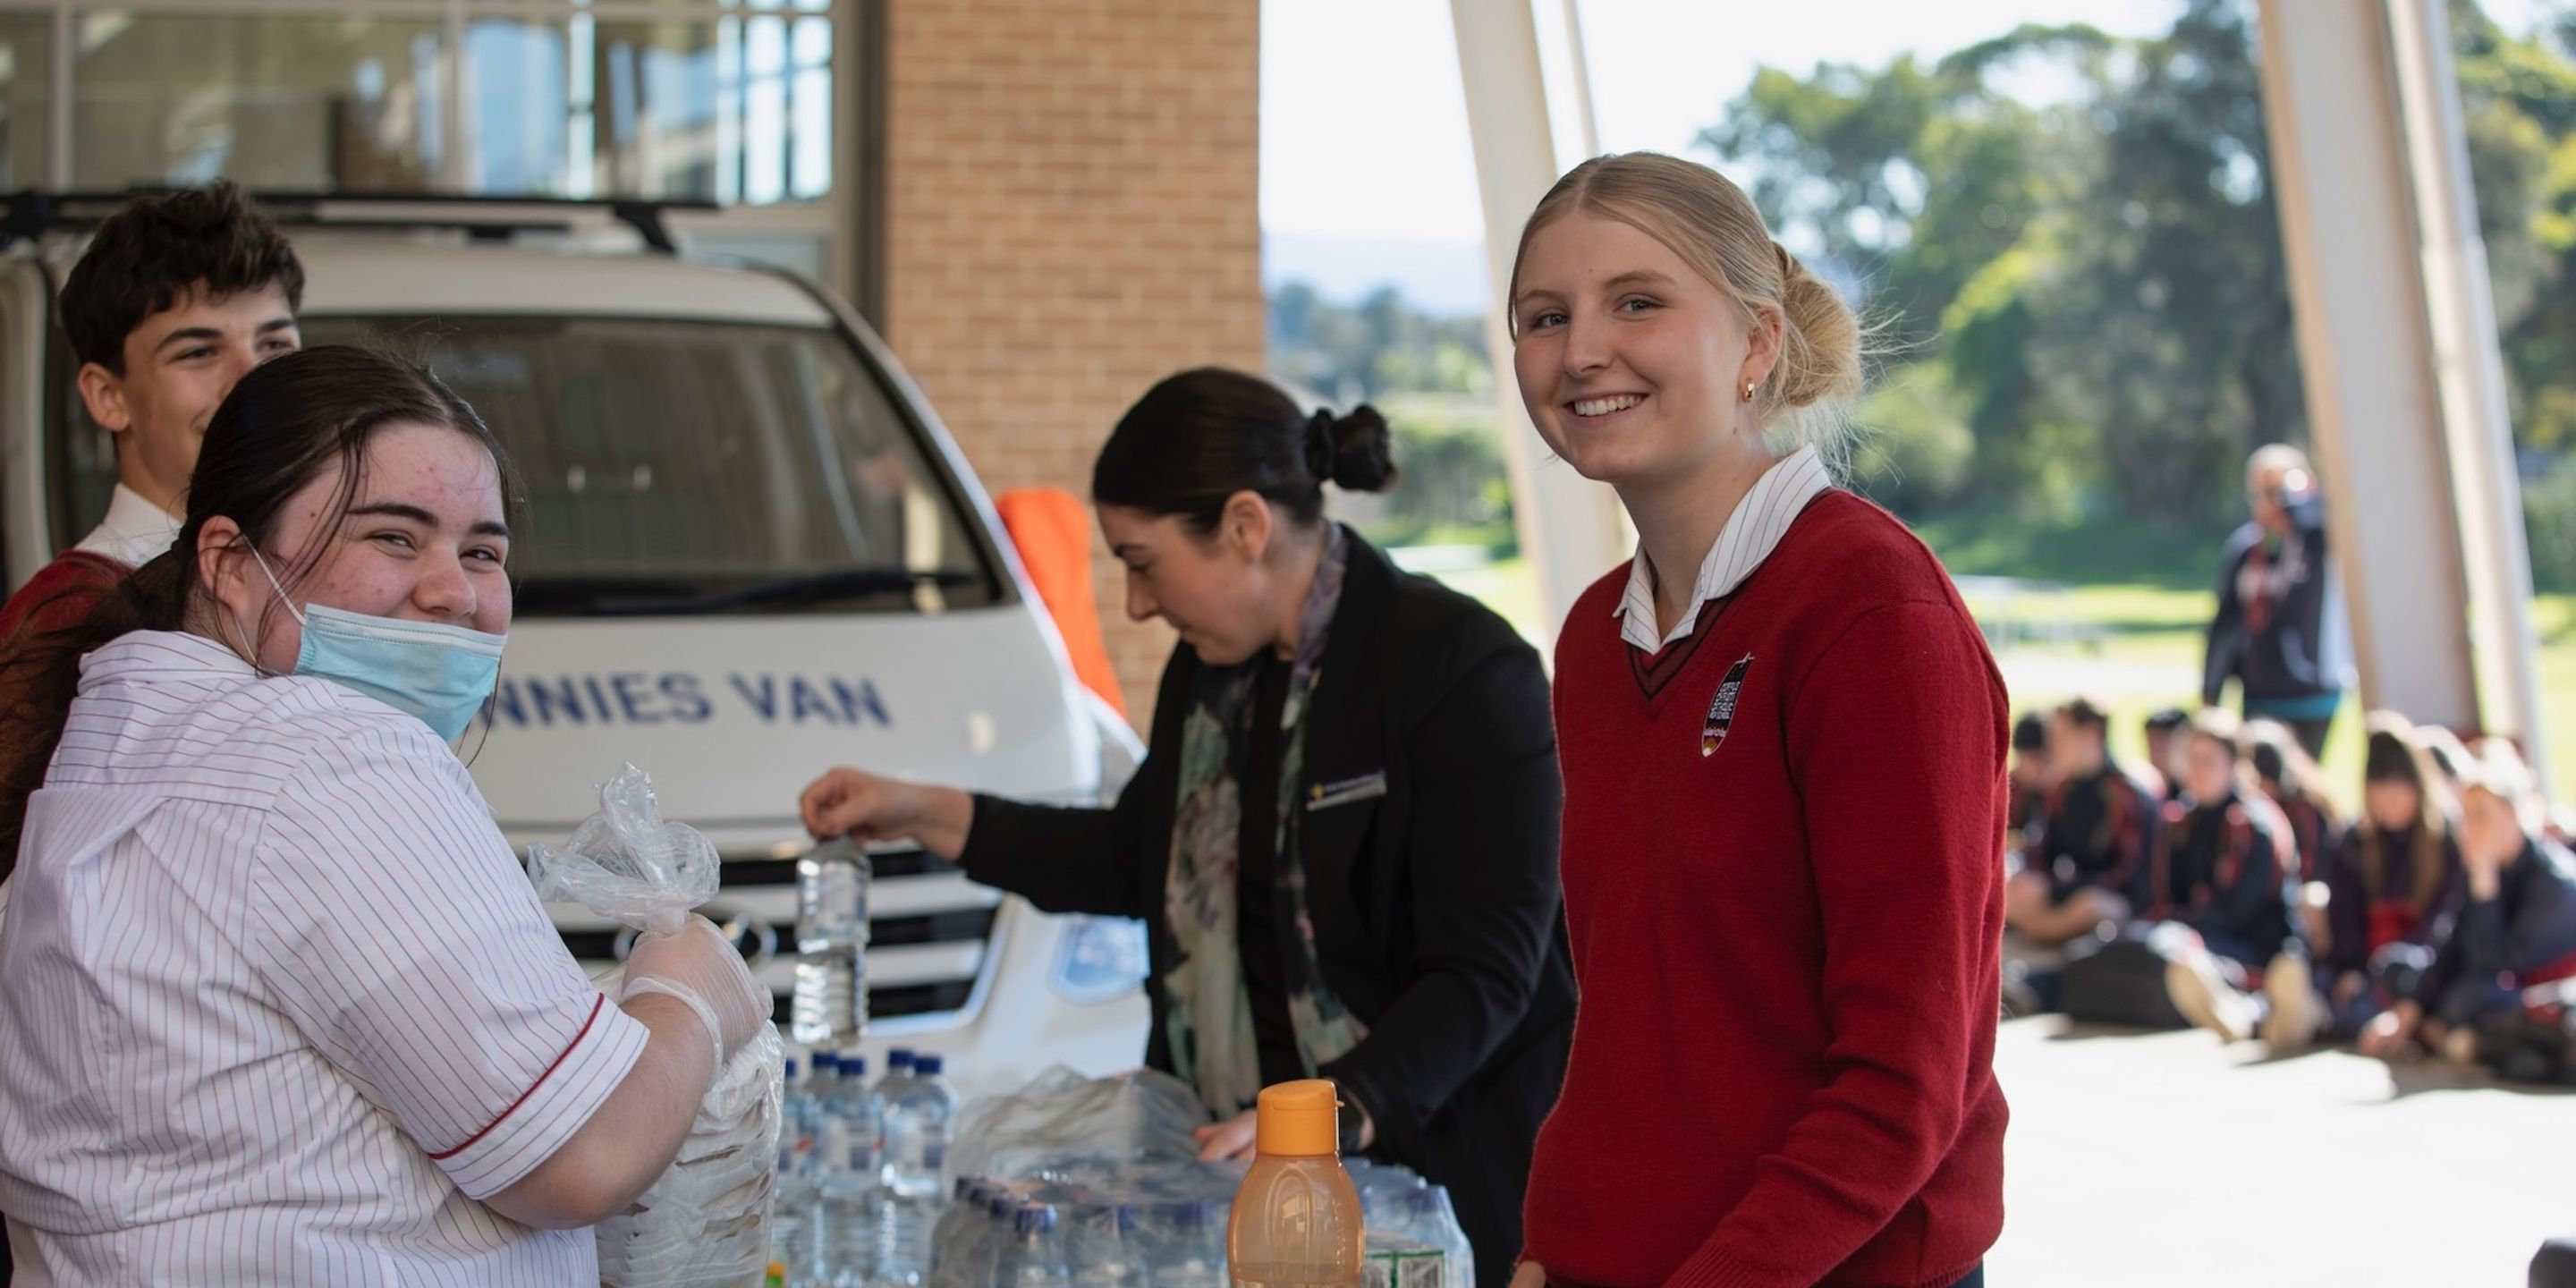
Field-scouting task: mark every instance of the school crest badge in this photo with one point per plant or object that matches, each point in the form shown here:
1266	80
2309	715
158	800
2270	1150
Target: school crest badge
1721	709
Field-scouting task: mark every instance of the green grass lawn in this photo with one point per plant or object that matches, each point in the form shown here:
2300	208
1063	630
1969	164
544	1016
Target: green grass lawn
2136	646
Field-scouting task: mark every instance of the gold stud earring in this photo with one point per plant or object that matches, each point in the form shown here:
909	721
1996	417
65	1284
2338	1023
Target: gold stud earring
1748	391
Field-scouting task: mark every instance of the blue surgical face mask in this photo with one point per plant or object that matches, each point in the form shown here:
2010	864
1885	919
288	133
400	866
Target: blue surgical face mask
439	673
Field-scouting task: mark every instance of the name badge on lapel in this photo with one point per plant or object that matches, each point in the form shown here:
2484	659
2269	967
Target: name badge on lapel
1345	791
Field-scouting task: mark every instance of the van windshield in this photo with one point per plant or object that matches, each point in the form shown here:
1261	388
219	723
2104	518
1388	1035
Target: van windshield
682	467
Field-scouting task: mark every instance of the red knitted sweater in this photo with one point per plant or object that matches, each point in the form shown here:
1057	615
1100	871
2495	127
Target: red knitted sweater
60	592
1784	887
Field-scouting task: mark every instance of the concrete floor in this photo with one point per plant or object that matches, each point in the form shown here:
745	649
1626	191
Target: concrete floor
2168	1159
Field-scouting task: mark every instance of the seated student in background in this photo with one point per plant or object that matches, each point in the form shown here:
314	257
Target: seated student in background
2096	822
2031	775
2217	888
2291	780
175	298
2516	925
2166	730
2389	889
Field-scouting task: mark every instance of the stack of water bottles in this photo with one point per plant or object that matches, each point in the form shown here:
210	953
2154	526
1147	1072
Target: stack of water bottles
1137	1227
859	1187
860	1164
1081	1183
1414	1240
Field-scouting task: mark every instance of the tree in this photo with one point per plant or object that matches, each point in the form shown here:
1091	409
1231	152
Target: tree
2100	274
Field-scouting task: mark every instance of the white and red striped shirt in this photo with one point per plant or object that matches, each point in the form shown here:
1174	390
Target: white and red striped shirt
277	1003
1760	520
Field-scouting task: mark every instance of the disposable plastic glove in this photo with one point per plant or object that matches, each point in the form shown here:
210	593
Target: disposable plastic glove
698	966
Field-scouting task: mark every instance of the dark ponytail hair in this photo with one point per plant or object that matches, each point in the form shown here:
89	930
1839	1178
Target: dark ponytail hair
1201	436
286	424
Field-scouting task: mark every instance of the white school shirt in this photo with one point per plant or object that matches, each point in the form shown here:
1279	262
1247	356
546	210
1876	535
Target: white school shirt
277	1003
1750	535
134	532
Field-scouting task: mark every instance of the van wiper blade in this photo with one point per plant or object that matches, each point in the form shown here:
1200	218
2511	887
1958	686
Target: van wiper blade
596	594
612	598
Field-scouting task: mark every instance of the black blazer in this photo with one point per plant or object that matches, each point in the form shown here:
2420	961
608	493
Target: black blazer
1437	915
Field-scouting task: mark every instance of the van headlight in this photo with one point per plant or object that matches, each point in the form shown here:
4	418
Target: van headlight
1100	959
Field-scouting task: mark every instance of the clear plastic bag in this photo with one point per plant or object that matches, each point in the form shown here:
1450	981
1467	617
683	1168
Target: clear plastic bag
625	862
1062	1122
705	1222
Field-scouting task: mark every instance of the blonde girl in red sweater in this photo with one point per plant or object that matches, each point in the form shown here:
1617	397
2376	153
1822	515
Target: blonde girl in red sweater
1783	745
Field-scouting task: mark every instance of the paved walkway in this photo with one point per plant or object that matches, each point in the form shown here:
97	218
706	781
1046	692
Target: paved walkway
2166	1159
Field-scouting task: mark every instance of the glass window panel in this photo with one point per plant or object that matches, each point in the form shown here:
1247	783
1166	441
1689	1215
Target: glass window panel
345	104
723	109
764	123
518	81
26	79
810	109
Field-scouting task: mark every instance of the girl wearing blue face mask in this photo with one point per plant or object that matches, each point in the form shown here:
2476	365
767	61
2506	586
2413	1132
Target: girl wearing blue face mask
265	951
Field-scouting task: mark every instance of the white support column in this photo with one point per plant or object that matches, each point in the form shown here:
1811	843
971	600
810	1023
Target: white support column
2469	366
2368	351
1570	527
2405	376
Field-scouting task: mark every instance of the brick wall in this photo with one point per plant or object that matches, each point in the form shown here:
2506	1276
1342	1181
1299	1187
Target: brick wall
1071	214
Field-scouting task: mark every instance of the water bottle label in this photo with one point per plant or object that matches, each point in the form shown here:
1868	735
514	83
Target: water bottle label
836	1144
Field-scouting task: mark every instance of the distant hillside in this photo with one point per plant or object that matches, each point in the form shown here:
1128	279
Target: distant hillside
1439	278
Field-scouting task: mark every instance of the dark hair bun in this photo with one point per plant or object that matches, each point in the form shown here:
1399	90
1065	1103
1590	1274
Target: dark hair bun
1363	451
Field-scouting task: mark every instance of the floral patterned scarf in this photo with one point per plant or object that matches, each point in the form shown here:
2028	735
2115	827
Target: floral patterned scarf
1207	1009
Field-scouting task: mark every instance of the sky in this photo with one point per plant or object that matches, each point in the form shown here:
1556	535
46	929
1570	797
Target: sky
1364	130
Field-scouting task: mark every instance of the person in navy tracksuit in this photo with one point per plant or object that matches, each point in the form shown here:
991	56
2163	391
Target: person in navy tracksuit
2515	925
2217	888
2086	844
2278	629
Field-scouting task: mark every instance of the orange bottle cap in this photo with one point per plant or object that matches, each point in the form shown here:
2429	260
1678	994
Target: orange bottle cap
1299	1119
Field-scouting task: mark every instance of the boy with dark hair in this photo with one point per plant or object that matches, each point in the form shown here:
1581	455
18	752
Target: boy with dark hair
176	296
2095	824
2165	730
2217	895
2031	777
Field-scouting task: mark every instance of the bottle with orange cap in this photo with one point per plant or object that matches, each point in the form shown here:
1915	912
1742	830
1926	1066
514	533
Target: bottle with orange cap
1296	1220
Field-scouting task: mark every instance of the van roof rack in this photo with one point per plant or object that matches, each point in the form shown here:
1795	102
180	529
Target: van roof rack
30	213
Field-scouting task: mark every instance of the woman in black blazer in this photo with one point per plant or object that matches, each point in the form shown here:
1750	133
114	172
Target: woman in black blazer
1344	836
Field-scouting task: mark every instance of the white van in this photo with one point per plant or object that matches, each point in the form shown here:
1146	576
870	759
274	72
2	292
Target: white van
751	553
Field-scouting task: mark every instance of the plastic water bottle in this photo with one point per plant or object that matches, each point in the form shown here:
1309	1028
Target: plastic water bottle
898	1074
830	1006
862	1117
1425	1216
919	1113
1035	1255
786	1211
1184	1245
1101	1248
918	1117
845	1167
